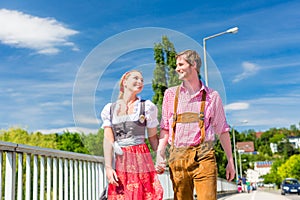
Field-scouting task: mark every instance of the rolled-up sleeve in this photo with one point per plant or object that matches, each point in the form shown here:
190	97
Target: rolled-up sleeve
219	122
151	114
105	116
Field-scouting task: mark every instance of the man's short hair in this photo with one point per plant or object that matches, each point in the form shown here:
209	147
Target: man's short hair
191	56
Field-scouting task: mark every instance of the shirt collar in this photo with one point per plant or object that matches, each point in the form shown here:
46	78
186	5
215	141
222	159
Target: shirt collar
203	88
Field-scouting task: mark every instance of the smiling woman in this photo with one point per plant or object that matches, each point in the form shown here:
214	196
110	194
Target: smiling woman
132	175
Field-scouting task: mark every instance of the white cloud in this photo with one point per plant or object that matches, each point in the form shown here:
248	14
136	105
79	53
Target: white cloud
250	69
237	106
44	35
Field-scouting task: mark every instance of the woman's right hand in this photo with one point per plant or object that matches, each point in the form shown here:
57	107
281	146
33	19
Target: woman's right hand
112	176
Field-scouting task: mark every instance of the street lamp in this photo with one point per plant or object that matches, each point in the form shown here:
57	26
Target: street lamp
235	159
231	30
240	152
234	150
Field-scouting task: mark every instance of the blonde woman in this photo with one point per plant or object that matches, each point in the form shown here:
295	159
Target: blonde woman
125	121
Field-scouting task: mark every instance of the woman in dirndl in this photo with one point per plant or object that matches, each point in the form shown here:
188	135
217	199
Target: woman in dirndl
128	163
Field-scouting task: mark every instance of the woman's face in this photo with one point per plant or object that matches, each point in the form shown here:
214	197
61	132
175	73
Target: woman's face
134	82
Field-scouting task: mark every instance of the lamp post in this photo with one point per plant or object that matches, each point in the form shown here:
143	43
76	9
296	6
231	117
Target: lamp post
231	30
234	150
235	159
241	171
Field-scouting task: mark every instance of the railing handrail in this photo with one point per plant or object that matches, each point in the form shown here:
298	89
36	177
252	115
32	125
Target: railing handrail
22	148
82	174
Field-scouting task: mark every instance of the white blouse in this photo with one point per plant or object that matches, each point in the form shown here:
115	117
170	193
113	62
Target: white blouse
150	114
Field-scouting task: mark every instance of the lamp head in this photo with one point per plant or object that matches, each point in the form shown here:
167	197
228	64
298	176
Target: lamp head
233	30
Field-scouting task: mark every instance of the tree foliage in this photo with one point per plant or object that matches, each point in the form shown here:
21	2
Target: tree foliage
71	142
164	73
291	168
94	142
21	136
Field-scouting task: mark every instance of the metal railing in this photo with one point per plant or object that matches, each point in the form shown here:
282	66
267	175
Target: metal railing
34	173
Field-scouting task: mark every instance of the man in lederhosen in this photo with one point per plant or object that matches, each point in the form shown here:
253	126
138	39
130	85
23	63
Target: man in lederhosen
192	114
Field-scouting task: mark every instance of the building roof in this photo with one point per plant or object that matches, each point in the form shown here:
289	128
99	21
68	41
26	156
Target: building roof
263	164
258	134
245	146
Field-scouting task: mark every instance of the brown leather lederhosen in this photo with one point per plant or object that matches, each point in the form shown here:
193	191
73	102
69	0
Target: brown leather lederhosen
192	167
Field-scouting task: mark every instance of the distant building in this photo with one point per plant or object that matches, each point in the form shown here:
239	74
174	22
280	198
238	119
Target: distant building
263	167
245	147
295	141
274	147
258	134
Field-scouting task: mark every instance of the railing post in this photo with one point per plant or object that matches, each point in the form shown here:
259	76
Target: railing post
89	180
42	177
85	181
60	179
10	175
28	179
54	160
35	178
66	180
80	181
48	178
20	176
76	182
1	163
93	180
71	167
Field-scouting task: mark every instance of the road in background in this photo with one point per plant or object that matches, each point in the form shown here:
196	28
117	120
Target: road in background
260	195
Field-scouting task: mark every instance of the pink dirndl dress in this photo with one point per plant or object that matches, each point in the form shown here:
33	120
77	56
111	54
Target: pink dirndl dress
138	179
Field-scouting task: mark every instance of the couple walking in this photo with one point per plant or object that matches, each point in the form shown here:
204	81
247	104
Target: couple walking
192	114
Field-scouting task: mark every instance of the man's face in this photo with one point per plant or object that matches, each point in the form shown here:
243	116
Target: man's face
183	68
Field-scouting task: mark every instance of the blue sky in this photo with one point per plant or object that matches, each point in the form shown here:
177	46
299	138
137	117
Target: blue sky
61	60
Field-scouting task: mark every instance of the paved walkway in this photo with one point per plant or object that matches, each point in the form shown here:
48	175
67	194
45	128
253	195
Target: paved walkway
255	195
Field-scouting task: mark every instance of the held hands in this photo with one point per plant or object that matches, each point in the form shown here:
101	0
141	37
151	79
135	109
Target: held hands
160	163
112	176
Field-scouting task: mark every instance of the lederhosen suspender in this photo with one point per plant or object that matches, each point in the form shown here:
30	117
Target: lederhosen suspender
189	117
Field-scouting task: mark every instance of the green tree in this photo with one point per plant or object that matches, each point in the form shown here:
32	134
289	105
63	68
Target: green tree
164	73
21	136
71	142
273	176
286	149
94	142
15	135
291	168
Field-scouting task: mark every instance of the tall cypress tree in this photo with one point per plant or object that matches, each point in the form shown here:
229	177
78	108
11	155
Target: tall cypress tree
164	73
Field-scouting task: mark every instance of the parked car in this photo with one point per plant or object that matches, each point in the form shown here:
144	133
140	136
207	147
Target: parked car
290	186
